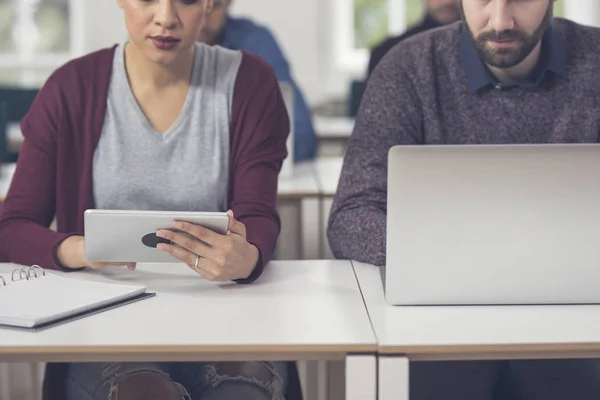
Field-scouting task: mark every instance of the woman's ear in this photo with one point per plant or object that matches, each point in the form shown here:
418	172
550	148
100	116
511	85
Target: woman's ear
120	3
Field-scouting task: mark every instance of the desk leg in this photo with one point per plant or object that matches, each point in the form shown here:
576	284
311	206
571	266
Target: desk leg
311	228
361	377
289	243
5	379
315	387
325	250
393	376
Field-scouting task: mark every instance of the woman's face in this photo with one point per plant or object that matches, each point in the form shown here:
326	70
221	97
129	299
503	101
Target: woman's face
164	30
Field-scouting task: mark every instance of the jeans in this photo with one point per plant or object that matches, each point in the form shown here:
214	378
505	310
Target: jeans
195	381
522	380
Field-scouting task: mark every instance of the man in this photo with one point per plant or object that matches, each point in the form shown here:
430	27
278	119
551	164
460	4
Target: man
243	34
507	73
437	13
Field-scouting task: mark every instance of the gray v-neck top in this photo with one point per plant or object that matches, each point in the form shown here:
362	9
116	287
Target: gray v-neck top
186	168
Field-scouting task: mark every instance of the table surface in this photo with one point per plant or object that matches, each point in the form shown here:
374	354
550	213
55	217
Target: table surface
14	131
328	174
333	127
478	332
296	310
300	182
14	137
6	173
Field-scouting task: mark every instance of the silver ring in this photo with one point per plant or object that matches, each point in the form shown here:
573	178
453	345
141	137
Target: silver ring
197	260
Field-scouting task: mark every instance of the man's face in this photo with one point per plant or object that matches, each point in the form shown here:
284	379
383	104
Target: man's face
443	11
506	31
215	23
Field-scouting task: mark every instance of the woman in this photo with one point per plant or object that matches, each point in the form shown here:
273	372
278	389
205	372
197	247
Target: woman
160	123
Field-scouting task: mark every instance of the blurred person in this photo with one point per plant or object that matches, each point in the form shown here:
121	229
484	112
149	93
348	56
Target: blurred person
437	13
243	34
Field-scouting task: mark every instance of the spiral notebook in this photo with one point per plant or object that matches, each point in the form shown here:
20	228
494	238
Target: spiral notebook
32	298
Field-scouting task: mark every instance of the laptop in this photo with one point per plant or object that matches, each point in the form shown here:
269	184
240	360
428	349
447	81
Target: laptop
493	225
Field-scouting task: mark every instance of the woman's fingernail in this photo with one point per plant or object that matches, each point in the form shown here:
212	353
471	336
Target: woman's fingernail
160	234
161	246
178	225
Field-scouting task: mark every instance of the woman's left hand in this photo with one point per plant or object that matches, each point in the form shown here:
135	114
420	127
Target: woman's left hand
215	257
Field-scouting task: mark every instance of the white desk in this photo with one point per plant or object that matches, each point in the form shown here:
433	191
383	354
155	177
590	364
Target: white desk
333	134
304	200
298	204
6	173
301	182
470	333
298	310
333	127
14	137
328	174
298	200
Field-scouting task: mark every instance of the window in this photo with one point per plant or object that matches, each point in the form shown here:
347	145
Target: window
361	24
36	36
559	8
370	22
374	20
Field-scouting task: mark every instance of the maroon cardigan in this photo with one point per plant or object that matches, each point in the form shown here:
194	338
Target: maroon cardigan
62	129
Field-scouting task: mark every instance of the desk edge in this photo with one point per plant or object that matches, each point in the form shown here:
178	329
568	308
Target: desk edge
494	352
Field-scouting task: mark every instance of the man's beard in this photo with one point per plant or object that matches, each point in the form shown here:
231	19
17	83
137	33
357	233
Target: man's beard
510	56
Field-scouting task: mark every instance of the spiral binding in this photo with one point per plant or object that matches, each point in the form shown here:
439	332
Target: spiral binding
24	273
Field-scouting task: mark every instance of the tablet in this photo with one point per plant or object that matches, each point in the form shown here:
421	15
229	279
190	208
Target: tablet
130	236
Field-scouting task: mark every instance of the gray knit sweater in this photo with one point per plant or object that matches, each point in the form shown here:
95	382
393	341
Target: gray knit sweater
419	95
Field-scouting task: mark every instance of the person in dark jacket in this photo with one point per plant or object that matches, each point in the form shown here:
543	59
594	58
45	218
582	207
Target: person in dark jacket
244	34
438	13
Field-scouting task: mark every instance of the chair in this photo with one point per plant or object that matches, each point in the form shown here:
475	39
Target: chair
17	103
54	380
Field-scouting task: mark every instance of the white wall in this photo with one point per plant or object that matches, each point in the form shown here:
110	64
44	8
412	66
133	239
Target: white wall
586	12
103	24
304	30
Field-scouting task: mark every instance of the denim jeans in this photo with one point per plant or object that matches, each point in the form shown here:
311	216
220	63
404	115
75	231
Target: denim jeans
195	381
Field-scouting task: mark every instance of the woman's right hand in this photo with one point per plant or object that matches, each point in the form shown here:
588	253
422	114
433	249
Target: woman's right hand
71	254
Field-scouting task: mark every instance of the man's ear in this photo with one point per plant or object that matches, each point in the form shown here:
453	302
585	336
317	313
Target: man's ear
210	4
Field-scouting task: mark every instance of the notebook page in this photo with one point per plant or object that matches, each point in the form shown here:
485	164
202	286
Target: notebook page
27	303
